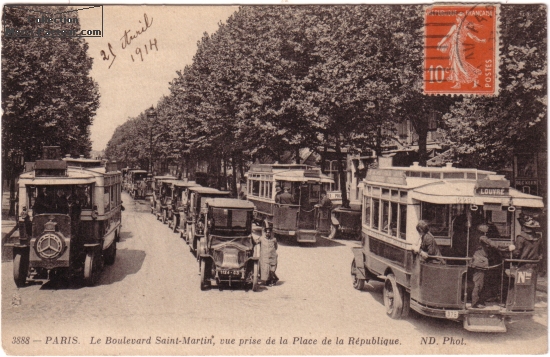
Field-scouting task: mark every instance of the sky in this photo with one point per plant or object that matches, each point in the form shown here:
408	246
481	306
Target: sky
130	86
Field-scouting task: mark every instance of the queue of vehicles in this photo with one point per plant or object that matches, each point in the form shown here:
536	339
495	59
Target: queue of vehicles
80	238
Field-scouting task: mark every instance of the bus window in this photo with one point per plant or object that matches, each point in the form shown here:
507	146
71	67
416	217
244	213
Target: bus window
403	221
375	213
394	221
255	188
385	217
500	224
366	207
107	199
438	218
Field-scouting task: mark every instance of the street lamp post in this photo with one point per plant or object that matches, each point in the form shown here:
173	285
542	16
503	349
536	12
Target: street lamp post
152	116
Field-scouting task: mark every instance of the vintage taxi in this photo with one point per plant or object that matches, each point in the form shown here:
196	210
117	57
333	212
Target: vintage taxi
227	252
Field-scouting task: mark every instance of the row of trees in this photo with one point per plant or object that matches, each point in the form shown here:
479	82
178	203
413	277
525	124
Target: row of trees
48	97
276	79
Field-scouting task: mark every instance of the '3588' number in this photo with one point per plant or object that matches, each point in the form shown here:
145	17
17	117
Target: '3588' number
20	340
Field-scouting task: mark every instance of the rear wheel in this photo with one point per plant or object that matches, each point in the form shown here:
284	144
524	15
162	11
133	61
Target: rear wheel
110	254
20	268
358	283
255	285
393	297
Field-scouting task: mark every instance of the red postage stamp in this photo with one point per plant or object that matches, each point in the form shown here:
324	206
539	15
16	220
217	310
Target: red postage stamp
461	49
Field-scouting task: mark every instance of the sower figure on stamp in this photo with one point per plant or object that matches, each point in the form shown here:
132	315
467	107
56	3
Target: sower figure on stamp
453	42
268	256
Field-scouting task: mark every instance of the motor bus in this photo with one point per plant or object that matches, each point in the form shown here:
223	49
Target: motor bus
69	218
197	210
454	201
302	218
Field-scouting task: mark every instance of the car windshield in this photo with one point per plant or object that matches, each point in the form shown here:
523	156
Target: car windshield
237	221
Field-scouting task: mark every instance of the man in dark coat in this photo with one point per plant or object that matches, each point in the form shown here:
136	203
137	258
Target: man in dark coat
480	263
60	204
528	243
285	198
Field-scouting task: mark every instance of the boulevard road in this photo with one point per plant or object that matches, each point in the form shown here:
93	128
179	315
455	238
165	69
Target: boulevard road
152	291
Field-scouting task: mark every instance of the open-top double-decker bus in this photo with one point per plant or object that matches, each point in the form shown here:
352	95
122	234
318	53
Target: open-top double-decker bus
300	216
69	219
455	203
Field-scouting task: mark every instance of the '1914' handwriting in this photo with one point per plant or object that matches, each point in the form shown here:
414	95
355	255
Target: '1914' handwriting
126	40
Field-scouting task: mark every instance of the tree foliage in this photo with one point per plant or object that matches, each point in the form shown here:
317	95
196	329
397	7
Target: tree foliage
48	97
488	131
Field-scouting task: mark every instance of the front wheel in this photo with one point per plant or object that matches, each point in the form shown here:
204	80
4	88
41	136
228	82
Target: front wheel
20	268
91	269
358	283
333	231
175	225
393	298
256	271
204	284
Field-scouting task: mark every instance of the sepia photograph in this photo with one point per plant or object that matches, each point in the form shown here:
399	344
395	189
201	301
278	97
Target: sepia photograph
288	178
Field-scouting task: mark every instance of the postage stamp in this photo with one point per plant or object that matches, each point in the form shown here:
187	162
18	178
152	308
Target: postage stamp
461	49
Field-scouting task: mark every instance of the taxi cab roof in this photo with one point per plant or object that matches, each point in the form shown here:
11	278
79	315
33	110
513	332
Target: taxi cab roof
164	177
206	190
229	203
181	183
138	171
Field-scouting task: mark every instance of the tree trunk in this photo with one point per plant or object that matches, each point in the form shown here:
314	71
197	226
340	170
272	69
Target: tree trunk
341	175
297	155
422	145
224	173
324	159
234	178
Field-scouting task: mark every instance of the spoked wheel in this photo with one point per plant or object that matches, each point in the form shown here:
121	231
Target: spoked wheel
256	271
110	255
91	269
204	283
393	298
358	283
20	268
175	225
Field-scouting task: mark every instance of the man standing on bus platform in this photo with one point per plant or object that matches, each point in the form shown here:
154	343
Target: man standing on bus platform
480	264
528	243
285	198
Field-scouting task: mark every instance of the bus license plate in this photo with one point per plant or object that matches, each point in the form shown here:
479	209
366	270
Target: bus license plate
291	233
451	314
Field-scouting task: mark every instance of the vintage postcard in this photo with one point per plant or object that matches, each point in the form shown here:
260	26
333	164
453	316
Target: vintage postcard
284	179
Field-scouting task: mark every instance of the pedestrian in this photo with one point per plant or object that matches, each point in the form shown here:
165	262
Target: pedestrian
285	198
480	264
428	248
268	256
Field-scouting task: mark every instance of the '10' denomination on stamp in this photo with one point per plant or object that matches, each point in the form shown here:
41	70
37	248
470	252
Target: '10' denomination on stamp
461	49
